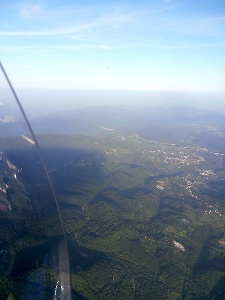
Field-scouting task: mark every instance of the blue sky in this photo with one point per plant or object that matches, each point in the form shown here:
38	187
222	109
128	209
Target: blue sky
161	45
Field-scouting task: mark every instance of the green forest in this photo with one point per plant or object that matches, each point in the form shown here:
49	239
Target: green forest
143	219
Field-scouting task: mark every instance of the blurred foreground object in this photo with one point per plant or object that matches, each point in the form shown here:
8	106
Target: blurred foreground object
33	250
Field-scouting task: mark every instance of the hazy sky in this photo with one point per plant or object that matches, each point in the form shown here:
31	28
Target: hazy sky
160	45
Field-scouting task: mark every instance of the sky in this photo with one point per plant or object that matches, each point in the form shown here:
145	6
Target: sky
158	45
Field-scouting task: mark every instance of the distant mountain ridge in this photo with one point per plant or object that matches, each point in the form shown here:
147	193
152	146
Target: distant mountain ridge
152	123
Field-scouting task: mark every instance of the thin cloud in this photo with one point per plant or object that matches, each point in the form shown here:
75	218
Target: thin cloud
151	45
53	48
192	46
28	11
168	45
101	22
111	20
191	25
